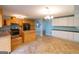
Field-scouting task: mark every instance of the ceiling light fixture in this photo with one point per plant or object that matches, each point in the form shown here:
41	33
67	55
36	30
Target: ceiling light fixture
48	17
48	14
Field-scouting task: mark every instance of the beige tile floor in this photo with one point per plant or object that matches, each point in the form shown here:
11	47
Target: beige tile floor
49	45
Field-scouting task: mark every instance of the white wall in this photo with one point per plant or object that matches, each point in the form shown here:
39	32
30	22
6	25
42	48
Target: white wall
76	18
76	22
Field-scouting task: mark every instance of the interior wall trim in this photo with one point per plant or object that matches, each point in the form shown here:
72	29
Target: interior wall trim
66	28
64	16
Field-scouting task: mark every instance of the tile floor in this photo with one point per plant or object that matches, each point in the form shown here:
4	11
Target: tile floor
48	45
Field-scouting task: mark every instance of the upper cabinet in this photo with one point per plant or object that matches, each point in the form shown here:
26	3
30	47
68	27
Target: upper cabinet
65	21
0	17
13	20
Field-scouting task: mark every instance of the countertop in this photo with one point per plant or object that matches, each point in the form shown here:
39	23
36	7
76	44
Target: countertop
4	31
2	34
66	28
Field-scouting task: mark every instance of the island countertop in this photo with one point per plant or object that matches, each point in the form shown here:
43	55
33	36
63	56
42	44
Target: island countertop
4	31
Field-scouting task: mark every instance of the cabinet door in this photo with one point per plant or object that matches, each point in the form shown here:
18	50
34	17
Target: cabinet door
16	42
26	37
29	36
76	37
32	36
0	17
63	35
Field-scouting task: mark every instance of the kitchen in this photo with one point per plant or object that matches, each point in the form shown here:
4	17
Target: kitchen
32	32
16	31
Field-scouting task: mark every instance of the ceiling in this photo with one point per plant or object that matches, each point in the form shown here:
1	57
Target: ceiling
38	10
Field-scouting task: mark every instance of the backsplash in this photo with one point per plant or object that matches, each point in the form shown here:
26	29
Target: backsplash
4	29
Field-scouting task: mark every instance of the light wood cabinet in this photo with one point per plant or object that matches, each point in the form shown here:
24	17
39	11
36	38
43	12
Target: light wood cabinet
14	20
29	36
31	22
1	22
16	42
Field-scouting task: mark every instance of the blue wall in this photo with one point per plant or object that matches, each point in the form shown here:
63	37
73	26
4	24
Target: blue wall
39	27
43	25
47	25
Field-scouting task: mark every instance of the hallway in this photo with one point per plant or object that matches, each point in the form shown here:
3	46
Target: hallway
48	45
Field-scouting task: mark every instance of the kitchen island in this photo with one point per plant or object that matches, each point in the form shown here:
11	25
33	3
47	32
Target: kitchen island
5	42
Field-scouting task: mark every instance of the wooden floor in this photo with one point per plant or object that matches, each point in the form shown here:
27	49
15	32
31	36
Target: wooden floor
49	45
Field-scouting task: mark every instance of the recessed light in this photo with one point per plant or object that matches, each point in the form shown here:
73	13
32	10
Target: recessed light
19	16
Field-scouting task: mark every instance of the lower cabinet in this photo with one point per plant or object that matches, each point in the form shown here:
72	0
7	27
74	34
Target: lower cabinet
29	36
63	35
72	36
76	37
16	42
1	20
